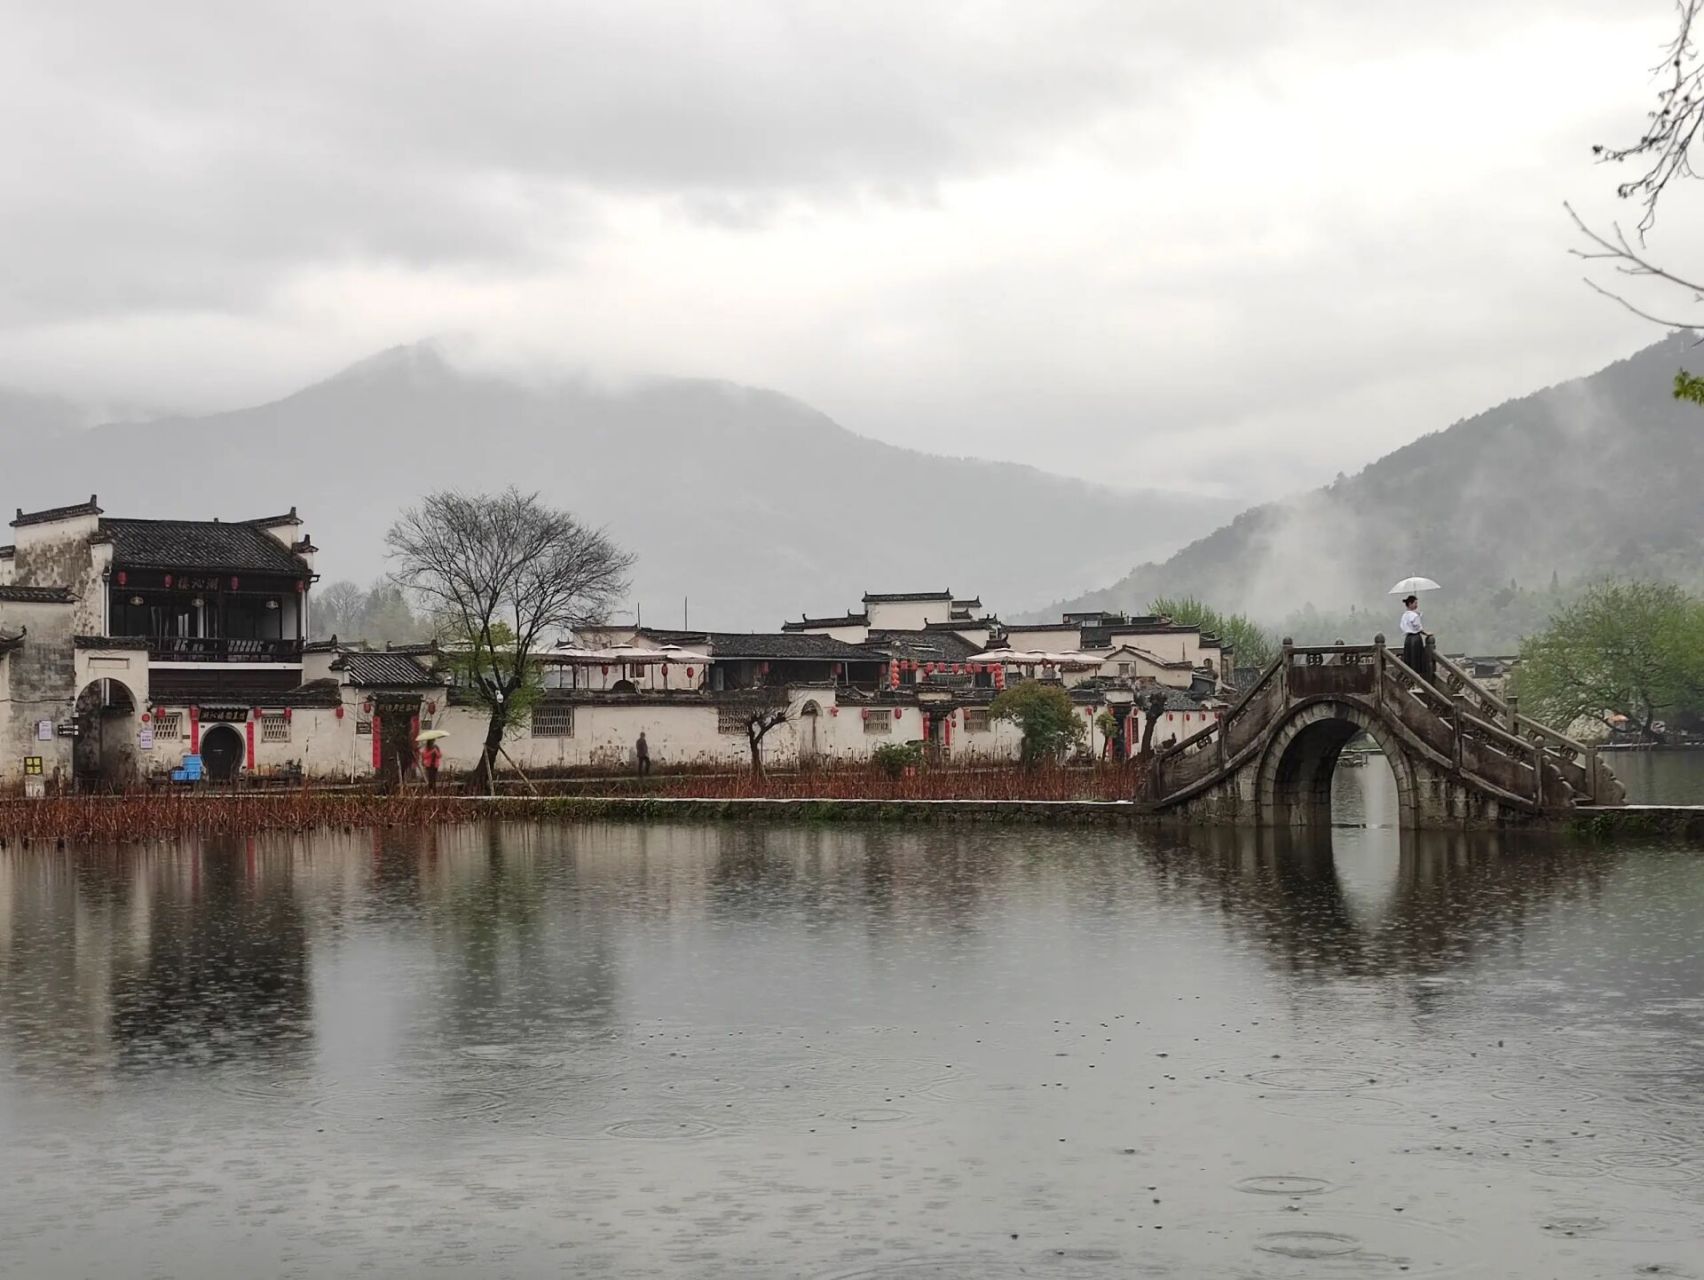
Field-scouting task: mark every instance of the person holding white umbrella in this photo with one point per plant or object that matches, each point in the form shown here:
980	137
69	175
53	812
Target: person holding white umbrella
1413	626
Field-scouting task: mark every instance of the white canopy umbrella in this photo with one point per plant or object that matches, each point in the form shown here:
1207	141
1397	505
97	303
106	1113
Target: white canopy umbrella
1408	586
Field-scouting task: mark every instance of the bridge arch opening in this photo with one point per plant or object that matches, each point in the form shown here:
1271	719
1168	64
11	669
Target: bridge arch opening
1302	760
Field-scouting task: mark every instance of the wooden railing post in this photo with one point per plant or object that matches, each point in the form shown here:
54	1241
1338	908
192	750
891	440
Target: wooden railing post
1460	704
1514	725
1378	669
1284	669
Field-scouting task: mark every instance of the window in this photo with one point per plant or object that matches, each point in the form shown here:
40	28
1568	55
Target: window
168	724
878	722
274	727
976	720
1126	668
730	720
553	722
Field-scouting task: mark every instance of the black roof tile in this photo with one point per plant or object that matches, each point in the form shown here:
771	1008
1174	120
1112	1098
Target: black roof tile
200	544
923	646
900	597
770	645
50	514
845	620
37	595
369	670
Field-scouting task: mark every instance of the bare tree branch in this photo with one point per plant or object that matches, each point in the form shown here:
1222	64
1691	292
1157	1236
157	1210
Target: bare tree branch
1674	125
506	572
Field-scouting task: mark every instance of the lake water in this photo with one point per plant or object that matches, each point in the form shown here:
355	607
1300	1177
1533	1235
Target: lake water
853	1052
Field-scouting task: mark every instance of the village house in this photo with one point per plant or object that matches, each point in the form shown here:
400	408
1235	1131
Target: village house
128	645
130	642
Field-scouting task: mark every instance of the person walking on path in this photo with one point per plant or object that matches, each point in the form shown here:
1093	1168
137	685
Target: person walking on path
1414	635
431	760
642	753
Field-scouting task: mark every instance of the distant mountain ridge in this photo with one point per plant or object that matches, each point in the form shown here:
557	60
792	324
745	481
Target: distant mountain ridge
1600	475
752	504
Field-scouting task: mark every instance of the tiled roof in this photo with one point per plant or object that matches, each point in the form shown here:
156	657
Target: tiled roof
1020	628
901	597
272	522
923	646
199	544
962	624
37	595
234	703
390	669
846	620
50	514
769	645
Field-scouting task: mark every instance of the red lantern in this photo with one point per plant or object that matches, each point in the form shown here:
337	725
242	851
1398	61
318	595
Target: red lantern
431	708
367	706
834	711
689	673
146	718
865	713
233	582
289	714
896	713
606	668
168	579
123	577
340	711
301	586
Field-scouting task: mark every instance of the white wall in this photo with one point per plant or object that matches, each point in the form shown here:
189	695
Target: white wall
1050	640
907	615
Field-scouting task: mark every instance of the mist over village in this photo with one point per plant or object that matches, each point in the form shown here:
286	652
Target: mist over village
781	639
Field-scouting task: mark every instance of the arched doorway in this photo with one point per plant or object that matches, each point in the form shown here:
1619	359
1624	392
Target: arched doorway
105	754
222	752
810	750
1302	758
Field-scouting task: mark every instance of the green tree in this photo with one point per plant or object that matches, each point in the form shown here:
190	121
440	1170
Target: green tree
1050	724
1624	648
1251	646
1688	387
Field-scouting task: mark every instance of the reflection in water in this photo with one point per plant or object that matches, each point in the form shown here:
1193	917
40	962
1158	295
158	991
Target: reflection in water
853	1051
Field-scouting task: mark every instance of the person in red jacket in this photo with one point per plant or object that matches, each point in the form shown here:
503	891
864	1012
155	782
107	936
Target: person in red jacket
431	758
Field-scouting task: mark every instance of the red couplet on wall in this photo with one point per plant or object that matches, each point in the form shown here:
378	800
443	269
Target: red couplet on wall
378	751
248	731
195	731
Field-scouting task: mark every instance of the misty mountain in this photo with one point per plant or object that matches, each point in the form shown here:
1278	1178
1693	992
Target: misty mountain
752	504
1597	476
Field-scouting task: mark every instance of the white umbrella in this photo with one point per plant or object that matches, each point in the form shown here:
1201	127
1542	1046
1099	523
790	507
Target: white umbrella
431	735
1410	585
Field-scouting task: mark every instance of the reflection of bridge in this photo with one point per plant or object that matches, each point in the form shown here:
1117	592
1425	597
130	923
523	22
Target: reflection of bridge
1461	755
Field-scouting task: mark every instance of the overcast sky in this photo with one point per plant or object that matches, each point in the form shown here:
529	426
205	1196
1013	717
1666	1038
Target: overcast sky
1234	248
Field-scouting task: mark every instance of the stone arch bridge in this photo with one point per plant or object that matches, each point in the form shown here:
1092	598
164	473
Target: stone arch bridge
1462	756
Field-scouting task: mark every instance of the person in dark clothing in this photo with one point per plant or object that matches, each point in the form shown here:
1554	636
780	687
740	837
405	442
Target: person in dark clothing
642	752
1414	635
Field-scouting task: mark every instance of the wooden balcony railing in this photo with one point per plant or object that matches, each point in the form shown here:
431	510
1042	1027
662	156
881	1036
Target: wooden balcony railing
208	649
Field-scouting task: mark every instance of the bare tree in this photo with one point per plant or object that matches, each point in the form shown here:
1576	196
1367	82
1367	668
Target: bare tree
507	573
1153	707
760	709
1664	152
